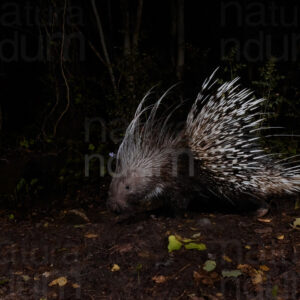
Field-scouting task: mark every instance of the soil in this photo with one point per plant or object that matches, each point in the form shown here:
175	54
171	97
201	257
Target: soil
93	254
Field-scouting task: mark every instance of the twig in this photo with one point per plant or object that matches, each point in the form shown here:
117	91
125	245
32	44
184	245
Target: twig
136	33
63	71
104	48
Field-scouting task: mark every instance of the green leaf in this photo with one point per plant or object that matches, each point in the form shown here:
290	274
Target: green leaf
11	217
231	273
20	184
91	147
174	244
209	265
3	281
33	181
197	246
275	291
297	204
24	143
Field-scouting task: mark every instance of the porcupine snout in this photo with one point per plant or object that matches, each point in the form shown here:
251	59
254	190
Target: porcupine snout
117	199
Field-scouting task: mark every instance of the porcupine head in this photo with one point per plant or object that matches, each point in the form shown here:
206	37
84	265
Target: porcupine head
147	163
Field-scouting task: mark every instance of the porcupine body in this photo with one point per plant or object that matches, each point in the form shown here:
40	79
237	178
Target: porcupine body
215	156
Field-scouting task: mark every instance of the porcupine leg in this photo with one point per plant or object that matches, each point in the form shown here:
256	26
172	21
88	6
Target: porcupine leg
261	206
177	202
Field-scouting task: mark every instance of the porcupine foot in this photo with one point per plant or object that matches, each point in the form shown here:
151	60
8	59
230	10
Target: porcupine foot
262	211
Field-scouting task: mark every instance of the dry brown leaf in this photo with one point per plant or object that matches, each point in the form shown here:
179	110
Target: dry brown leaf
61	281
264	220
197	276
264	230
124	248
46	274
115	268
257	278
264	268
159	279
91	235
226	258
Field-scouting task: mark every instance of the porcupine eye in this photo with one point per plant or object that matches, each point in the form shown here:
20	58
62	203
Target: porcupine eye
127	187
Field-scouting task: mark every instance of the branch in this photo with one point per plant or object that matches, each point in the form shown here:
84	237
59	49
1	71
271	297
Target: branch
136	33
104	48
63	71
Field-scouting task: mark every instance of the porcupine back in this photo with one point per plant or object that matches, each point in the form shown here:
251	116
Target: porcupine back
221	129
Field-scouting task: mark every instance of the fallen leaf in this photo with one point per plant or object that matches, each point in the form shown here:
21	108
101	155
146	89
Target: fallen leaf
196	235
197	246
187	240
61	281
257	278
296	223
275	291
144	254
263	230
115	268
18	273
3	281
209	265
75	286
91	235
197	276
264	268
264	220
124	248
226	258
174	244
25	277
244	268
231	273
159	279
207	281
280	237
194	228
46	274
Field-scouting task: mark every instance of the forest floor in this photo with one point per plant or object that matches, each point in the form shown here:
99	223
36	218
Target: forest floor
93	254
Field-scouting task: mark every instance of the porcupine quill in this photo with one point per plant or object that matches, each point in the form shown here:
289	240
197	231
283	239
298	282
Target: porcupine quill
216	155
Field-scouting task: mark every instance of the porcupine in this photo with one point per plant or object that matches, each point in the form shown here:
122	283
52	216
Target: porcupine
217	155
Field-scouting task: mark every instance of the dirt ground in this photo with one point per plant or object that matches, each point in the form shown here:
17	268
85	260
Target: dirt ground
93	254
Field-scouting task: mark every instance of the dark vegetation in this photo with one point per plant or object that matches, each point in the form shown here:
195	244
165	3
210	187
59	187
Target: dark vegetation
71	76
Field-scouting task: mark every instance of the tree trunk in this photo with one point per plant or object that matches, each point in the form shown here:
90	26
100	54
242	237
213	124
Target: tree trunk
136	33
180	40
104	47
1	120
173	43
127	43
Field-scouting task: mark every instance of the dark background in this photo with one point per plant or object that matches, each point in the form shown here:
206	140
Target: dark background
48	96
